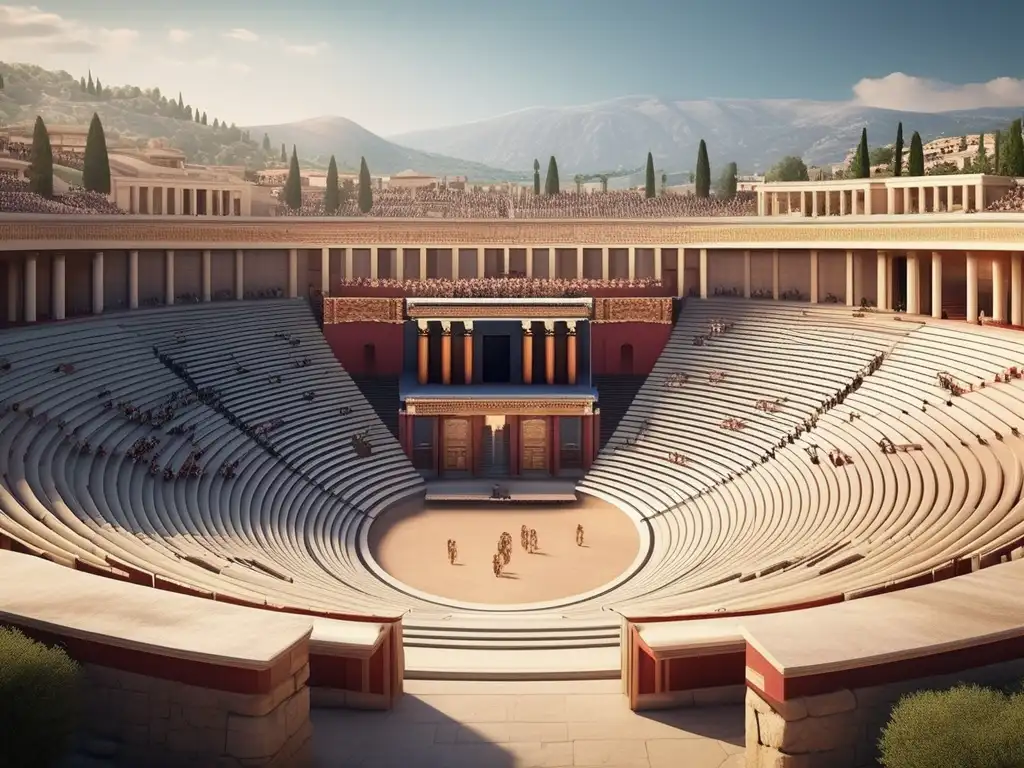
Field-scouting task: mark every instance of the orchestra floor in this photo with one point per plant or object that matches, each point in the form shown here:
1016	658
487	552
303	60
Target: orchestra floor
411	546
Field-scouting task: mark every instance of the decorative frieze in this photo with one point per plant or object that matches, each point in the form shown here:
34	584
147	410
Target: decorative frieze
416	406
485	310
640	310
351	309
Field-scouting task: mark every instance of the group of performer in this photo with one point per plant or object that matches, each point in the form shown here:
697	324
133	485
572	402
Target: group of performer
501	558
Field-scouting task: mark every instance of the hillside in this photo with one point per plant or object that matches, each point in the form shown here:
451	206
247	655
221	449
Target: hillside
128	113
320	137
753	133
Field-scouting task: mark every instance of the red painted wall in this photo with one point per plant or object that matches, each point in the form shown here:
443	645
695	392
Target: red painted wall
347	341
607	339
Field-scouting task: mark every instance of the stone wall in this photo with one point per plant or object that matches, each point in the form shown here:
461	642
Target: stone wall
841	729
156	723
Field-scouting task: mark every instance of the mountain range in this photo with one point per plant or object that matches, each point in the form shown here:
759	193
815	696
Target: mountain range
753	133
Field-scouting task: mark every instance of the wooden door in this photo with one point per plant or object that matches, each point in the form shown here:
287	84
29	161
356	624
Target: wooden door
457	446
535	444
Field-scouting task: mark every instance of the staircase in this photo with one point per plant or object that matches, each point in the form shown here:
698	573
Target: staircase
494	462
615	394
382	394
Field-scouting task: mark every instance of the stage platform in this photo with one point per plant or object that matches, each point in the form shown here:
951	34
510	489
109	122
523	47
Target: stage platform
521	491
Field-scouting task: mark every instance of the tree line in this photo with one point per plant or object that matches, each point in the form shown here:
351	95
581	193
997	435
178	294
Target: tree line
1007	158
335	195
96	168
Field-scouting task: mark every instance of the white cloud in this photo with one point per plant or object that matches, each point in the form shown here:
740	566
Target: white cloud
28	26
239	67
178	35
919	94
244	35
305	49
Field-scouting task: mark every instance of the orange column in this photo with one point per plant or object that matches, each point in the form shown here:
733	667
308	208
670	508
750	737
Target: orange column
422	351
570	353
527	352
446	353
467	351
549	352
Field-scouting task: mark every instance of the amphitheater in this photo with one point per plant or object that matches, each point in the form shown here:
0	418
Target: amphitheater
826	497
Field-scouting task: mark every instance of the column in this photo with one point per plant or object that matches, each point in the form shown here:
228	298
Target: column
936	285
922	200
588	441
950	197
529	262
552	265
239	274
814	277
965	192
881	275
293	273
998	289
570	351
467	352
972	287
97	282
169	278
59	283
890	200
936	199
814	203
549	351
631	263
850	290
527	352
423	264
746	274
400	264
579	262
842	202
703	273
348	262
207	276
177	201
657	263
30	288
604	263
828	202
775	275
481	262
913	284
504	260
422	351
979	197
867	201
133	199
446	352
325	269
133	279
1016	309
680	271
12	289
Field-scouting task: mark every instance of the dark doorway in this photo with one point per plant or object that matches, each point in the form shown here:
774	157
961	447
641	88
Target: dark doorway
369	359
899	287
626	359
497	360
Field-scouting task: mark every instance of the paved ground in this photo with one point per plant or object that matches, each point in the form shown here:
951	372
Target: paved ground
526	725
411	545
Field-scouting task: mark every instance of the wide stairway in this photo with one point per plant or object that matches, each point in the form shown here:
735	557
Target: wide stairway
381	392
614	395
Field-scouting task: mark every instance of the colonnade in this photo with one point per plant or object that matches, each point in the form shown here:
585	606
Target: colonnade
58	278
423	351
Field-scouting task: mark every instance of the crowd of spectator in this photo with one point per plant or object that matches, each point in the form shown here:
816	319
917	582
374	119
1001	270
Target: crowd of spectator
480	204
19	151
502	287
15	197
1011	202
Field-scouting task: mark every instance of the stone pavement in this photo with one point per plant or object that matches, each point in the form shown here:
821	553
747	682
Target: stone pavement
449	724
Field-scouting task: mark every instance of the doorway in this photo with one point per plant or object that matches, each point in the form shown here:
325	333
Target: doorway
497	359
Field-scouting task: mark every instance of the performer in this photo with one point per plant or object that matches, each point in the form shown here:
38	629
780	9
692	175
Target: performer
455	552
533	540
579	535
524	538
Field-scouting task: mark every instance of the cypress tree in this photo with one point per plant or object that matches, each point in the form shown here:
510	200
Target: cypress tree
981	162
702	177
995	155
203	119
365	187
551	181
99	89
81	84
897	154
284	155
863	169
915	165
728	182
266	143
40	169
293	184
649	190
332	195
90	86
96	173
1014	154
536	176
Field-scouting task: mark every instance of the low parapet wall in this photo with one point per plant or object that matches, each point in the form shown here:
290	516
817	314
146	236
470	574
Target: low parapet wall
170	680
820	682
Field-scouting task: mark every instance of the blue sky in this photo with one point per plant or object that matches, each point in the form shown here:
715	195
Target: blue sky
397	65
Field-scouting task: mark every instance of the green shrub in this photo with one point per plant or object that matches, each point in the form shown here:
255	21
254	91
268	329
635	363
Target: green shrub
38	701
967	726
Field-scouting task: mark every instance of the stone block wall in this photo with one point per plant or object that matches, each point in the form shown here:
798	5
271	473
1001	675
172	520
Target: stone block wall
155	722
841	729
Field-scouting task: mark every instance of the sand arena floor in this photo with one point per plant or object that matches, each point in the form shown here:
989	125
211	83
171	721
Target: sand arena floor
411	545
